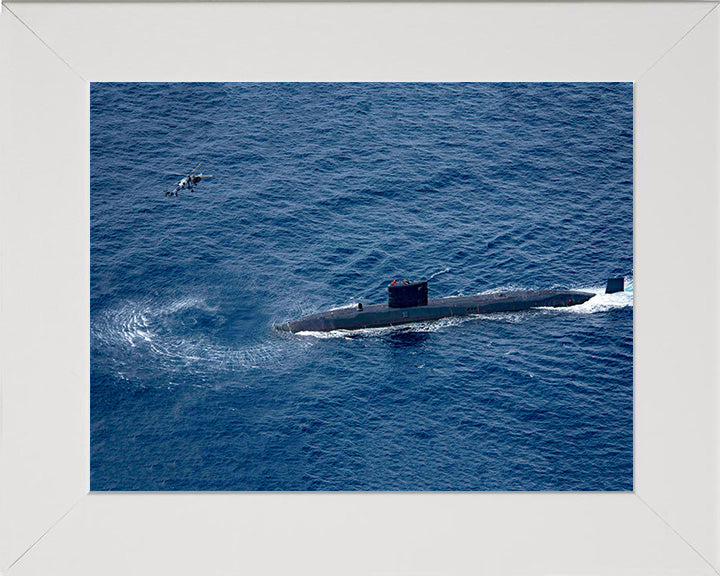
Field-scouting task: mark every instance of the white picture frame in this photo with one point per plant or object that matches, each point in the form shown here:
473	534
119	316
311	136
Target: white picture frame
51	524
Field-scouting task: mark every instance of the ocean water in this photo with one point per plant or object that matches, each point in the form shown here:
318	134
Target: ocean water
321	195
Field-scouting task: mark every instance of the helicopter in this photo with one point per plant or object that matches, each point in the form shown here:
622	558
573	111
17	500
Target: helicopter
188	182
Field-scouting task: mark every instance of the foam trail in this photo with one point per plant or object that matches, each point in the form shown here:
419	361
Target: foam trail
602	302
438	273
150	327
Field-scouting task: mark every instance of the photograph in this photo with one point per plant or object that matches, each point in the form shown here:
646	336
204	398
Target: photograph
361	286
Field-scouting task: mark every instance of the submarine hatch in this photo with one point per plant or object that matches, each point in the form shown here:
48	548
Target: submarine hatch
406	295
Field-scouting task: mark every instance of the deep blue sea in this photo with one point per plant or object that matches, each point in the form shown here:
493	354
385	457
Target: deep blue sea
320	195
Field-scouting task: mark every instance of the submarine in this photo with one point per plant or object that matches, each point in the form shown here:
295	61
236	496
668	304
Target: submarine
408	302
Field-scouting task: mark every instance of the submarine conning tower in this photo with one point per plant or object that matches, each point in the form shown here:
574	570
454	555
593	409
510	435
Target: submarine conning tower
402	295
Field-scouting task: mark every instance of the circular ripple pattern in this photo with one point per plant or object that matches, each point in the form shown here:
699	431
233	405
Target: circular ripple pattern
321	194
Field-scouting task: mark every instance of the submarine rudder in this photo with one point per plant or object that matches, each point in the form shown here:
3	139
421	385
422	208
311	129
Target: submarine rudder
615	285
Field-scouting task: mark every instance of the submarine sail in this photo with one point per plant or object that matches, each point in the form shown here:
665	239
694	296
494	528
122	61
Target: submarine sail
408	294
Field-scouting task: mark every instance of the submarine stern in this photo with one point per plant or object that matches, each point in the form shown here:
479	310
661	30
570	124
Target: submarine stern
570	298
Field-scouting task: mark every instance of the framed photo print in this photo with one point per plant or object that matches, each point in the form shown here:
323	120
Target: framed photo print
351	287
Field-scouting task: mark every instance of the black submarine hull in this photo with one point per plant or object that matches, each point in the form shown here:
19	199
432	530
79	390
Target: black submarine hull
380	315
